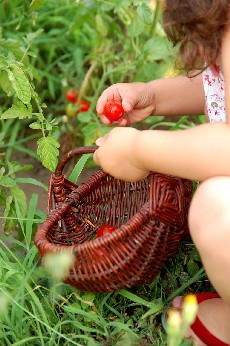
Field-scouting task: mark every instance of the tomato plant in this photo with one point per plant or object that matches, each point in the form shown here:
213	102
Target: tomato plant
113	110
105	230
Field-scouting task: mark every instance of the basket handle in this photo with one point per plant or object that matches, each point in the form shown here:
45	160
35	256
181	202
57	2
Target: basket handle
57	192
74	152
57	181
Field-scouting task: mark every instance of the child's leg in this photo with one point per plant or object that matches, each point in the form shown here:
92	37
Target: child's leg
209	222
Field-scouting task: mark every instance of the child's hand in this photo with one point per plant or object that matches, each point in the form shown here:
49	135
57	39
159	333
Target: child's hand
117	154
137	102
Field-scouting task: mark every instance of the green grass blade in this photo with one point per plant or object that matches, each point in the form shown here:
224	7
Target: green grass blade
78	168
23	342
136	299
11	141
30	215
31	181
196	277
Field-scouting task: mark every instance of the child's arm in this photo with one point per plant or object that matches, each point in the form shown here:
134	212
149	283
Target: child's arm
179	96
197	153
169	96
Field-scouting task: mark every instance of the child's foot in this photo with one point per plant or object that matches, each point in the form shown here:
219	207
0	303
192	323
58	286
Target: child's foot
214	315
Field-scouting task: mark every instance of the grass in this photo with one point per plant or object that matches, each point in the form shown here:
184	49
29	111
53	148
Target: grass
37	310
40	311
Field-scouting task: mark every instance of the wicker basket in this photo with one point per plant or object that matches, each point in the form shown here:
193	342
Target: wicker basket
150	217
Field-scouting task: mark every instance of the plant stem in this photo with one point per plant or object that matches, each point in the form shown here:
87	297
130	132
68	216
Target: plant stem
156	18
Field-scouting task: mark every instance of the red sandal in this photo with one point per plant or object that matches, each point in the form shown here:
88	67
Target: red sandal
200	330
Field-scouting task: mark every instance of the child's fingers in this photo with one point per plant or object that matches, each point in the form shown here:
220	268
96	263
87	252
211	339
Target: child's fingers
123	121
127	105
99	141
105	120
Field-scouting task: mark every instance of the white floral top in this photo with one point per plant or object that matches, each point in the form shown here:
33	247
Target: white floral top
213	81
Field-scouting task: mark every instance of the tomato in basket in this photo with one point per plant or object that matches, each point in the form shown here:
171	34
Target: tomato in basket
105	230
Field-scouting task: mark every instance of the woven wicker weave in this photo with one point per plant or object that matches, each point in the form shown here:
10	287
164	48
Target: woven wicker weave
150	217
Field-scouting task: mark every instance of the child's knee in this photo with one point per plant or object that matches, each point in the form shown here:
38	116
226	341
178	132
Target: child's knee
209	215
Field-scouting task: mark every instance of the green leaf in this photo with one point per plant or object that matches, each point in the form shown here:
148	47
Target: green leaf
17	111
145	13
2	171
136	28
36	126
84	117
31	36
36	4
48	152
3	61
192	267
9	216
20	83
2	197
89	296
100	25
6	84
92	342
158	47
13	46
15	167
7	181
128	339
89	131
19	197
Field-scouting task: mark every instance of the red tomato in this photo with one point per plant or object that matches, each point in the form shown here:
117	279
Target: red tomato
84	106
113	110
105	230
71	95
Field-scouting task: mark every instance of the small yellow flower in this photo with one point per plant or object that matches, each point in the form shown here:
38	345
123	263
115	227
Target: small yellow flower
190	308
174	321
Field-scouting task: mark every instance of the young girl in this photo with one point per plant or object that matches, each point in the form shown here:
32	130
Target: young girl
202	153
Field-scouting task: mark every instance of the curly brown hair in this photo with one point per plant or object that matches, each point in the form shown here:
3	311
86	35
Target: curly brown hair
197	26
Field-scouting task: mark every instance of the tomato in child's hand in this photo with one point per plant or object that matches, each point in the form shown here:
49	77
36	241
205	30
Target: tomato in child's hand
71	95
105	230
113	110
